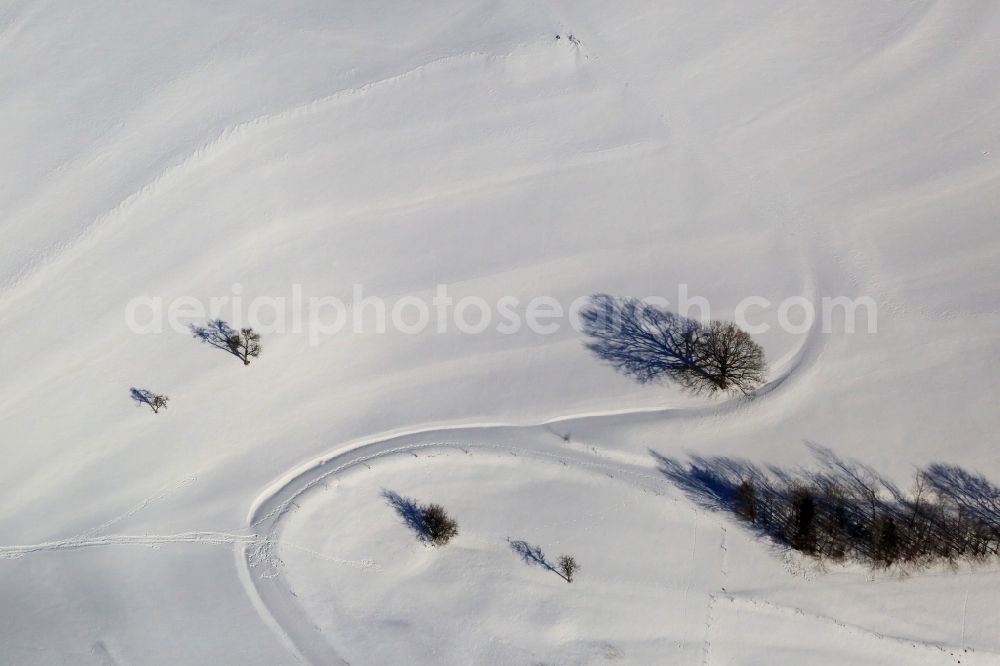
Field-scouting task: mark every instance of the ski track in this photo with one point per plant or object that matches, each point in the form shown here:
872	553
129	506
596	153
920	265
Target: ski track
206	537
163	494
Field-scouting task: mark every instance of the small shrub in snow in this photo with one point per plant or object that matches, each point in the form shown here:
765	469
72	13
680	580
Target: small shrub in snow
440	527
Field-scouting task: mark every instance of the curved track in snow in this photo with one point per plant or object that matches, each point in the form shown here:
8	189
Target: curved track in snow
260	568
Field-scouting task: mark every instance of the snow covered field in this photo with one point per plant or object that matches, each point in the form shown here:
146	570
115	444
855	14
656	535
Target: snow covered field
761	148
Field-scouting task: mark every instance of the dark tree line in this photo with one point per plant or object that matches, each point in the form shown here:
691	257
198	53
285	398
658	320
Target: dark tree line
648	343
846	510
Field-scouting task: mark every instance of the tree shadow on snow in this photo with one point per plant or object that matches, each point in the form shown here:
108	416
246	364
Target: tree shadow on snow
410	512
218	334
843	508
638	339
978	498
532	555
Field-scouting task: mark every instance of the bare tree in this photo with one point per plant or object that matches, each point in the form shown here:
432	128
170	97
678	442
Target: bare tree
648	343
155	401
567	567
727	359
243	344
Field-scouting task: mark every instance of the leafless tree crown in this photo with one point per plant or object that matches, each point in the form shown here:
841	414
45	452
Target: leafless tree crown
154	401
243	344
727	359
567	567
648	343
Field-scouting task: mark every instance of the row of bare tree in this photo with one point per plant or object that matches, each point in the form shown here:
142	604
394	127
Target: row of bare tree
846	510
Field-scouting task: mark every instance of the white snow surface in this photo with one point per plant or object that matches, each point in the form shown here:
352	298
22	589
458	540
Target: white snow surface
743	148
